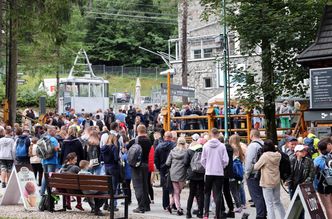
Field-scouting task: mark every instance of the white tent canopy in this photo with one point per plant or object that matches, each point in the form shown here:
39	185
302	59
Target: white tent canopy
219	98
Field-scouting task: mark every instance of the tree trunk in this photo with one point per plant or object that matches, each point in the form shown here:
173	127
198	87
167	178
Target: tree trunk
184	47
268	91
13	59
57	83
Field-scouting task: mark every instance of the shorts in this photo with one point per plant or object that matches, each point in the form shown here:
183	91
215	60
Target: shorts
6	165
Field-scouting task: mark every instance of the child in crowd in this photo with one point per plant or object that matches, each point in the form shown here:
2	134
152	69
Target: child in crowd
96	203
70	167
126	183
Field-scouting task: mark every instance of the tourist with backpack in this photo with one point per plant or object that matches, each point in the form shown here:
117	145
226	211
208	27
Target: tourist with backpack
35	161
214	159
72	144
195	175
177	173
323	165
47	149
7	155
254	150
268	164
22	147
140	172
235	182
312	142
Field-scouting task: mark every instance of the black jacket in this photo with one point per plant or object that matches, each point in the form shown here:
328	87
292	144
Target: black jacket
146	145
70	145
228	171
161	154
187	160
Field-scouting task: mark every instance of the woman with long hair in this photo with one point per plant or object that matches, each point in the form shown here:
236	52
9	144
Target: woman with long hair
110	156
72	144
92	151
236	181
178	173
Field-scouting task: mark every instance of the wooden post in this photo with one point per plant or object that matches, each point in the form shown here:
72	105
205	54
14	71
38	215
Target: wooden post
210	118
248	126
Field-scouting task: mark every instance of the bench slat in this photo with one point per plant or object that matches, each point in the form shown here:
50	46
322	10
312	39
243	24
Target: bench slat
97	188
65	181
63	176
93	177
93	182
63	186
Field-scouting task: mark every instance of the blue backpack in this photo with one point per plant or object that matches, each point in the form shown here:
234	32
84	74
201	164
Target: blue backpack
238	169
21	148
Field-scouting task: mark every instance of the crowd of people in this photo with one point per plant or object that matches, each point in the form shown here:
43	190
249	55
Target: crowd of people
216	172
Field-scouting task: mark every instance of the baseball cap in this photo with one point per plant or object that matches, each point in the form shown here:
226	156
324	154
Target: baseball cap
291	138
299	147
195	137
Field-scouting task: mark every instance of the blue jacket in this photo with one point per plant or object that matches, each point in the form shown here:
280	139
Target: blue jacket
110	156
127	167
319	163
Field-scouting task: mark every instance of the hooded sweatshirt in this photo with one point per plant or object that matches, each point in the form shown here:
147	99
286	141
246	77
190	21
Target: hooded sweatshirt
161	153
175	160
214	158
269	165
7	148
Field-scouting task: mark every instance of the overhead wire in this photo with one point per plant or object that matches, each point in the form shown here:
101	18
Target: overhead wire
131	16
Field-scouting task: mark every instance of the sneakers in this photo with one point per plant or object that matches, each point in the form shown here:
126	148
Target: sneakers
3	185
188	215
179	212
137	210
106	206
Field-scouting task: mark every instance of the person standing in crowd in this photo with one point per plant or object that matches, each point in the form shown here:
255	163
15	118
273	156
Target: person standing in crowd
110	157
269	163
22	147
160	156
92	152
140	174
115	129
177	173
285	109
254	150
50	164
72	144
235	183
7	155
35	161
121	116
127	179
303	170
151	172
214	159
195	176
130	120
322	162
283	141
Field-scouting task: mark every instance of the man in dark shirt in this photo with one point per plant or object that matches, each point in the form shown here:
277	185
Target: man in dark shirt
140	174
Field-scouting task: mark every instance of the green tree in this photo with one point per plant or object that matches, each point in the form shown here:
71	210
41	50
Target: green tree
117	28
282	29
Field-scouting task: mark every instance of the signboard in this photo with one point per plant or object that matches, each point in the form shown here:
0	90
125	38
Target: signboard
22	185
321	88
305	197
178	90
320	115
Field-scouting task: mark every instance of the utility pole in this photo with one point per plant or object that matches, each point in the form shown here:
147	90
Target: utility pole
13	59
225	70
184	47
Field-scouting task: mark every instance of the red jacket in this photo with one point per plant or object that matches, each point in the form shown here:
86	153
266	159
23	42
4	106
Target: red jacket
151	160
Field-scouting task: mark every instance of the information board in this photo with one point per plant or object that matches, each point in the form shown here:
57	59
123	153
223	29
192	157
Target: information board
178	90
321	88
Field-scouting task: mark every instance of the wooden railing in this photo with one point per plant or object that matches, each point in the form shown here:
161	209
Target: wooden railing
245	121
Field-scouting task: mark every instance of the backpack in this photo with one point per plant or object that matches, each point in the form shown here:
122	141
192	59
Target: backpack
284	166
259	153
135	155
46	203
21	148
195	163
327	171
238	171
44	148
310	142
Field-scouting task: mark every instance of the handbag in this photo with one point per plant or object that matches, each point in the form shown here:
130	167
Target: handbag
94	161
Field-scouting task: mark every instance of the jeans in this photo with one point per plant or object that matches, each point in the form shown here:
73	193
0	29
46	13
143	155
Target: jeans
242	195
256	194
48	168
115	174
235	190
272	201
140	183
196	189
126	189
165	190
215	183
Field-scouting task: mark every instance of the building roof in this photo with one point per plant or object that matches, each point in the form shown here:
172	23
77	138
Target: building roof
319	54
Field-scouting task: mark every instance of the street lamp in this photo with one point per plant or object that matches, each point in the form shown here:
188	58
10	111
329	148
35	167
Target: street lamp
169	72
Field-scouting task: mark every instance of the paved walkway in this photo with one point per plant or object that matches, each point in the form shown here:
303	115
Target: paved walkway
156	212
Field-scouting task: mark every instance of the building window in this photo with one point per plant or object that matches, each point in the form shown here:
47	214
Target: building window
197	54
207	53
207	82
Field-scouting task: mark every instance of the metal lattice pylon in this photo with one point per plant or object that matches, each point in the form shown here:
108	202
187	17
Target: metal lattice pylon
81	60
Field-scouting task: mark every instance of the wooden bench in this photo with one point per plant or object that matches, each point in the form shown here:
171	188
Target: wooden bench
73	184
